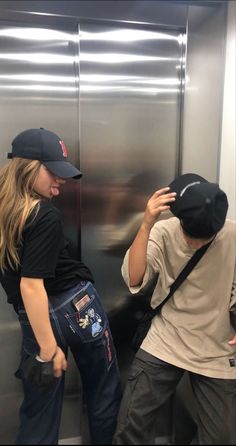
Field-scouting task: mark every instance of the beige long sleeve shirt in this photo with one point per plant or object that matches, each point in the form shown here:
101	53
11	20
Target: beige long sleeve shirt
193	328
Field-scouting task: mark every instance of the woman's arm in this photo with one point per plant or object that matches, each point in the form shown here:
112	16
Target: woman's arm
138	250
36	305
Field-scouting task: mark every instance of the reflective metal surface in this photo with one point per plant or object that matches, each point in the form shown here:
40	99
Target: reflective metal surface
38	82
130	90
204	90
38	88
113	91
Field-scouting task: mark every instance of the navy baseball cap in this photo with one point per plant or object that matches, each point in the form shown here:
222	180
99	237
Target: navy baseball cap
47	147
200	205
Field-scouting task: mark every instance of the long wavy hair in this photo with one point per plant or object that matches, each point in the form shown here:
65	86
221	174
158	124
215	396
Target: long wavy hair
17	201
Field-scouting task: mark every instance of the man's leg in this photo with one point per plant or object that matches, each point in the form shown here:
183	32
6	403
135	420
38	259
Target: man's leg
216	409
150	385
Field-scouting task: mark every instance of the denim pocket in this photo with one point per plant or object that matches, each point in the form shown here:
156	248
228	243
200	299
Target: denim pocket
88	318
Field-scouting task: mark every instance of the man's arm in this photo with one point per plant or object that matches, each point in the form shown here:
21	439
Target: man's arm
157	204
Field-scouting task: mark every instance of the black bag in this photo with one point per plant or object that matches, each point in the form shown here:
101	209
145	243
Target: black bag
141	331
145	322
232	313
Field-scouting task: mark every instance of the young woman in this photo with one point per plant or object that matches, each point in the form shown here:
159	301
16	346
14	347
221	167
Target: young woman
53	295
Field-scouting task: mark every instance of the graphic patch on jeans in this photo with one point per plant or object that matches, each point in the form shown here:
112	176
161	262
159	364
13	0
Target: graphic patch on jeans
82	302
93	320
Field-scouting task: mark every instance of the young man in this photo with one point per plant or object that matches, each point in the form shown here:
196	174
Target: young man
194	330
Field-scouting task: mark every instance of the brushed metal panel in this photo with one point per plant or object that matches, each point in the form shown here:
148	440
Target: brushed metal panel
204	90
161	12
128	124
130	90
38	88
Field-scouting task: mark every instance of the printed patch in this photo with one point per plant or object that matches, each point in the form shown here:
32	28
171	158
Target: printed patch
82	302
232	362
84	321
93	320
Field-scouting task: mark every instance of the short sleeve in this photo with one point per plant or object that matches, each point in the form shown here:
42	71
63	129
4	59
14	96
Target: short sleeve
42	242
154	260
149	273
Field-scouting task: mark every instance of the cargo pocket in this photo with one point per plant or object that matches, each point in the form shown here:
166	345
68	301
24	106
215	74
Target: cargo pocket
130	397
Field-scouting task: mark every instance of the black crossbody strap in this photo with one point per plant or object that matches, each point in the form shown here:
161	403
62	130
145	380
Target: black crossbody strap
184	273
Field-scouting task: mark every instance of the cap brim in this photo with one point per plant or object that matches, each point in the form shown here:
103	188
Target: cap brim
63	169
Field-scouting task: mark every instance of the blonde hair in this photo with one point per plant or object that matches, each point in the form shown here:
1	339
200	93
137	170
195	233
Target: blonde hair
17	201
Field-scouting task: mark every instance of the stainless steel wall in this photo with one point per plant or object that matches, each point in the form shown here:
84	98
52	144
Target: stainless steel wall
130	91
113	90
38	88
205	65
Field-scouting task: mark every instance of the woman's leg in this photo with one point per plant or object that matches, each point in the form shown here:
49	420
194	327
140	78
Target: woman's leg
40	414
101	386
86	329
40	411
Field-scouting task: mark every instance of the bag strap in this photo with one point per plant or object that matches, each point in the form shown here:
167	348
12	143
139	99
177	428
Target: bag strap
183	274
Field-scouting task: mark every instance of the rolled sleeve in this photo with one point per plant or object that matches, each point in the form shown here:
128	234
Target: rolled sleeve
149	273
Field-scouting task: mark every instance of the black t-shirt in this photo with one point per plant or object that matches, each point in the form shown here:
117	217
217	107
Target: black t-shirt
44	255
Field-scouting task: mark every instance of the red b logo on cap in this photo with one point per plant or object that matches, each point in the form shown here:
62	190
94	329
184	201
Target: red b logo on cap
64	149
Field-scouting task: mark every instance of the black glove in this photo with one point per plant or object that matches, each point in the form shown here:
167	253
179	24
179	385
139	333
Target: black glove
40	374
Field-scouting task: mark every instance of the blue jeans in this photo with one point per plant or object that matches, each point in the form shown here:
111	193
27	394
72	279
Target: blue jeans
85	330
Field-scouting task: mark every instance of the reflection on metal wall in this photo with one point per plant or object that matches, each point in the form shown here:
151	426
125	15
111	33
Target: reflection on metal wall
38	88
130	90
126	84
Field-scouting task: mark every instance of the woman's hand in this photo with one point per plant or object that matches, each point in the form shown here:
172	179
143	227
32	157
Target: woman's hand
59	362
58	358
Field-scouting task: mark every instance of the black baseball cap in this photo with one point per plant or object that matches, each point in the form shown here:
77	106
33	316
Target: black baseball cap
47	147
200	205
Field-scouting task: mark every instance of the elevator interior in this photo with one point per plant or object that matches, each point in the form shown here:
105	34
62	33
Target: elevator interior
119	86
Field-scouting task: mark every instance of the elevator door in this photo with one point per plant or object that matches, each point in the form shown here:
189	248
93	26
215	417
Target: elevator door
115	92
130	108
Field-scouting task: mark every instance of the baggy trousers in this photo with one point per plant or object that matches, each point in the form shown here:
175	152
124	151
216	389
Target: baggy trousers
85	330
152	382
